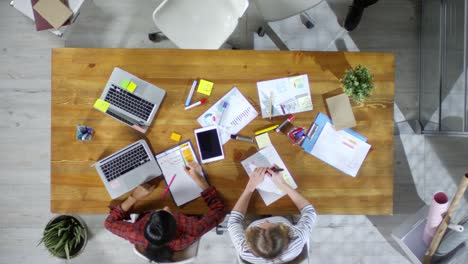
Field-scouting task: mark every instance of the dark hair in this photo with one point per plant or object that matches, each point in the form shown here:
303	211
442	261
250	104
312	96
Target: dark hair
160	229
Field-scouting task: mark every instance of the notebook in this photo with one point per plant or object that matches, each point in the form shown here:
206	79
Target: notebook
341	112
172	162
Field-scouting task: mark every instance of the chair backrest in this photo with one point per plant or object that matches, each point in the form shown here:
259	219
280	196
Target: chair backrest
282	9
189	255
192	24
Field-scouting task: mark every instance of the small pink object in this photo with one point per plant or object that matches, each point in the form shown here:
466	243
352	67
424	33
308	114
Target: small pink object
168	186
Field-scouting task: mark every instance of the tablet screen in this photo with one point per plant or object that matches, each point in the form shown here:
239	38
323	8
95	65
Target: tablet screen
209	145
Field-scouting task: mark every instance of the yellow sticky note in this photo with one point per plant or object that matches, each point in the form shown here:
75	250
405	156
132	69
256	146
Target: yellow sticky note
101	105
131	87
124	84
263	140
205	87
176	137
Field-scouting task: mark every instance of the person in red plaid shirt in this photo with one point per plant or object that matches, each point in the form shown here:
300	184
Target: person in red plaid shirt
159	233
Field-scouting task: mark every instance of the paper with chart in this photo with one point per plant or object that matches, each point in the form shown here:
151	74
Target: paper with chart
238	113
268	157
284	96
172	162
340	149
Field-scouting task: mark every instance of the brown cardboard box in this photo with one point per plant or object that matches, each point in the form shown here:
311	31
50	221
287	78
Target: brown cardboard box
54	11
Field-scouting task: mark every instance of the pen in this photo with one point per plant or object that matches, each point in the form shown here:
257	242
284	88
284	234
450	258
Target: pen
277	169
288	120
202	101
167	188
182	157
246	139
189	97
225	104
265	130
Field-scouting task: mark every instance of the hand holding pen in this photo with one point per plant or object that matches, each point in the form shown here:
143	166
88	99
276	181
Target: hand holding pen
194	170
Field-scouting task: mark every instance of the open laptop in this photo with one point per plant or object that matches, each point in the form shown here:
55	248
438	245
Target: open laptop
130	100
128	168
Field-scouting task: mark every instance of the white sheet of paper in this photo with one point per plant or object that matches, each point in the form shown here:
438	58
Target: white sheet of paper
287	95
341	150
237	115
267	157
183	188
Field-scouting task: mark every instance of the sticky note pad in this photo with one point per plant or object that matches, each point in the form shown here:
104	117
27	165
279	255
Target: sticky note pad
176	137
263	140
101	105
131	87
124	84
205	87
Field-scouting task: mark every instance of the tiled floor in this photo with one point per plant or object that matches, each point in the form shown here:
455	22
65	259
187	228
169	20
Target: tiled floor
422	164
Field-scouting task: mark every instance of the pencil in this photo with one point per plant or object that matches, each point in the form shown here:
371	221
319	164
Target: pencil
182	157
167	188
265	130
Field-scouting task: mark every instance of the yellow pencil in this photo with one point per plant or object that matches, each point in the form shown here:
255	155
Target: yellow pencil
265	130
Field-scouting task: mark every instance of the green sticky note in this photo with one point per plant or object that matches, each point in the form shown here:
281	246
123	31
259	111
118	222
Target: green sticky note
124	84
101	105
131	87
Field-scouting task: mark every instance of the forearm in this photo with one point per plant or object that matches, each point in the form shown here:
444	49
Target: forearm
128	203
296	197
243	202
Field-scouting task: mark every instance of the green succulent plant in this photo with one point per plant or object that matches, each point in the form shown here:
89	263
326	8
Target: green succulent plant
63	237
358	83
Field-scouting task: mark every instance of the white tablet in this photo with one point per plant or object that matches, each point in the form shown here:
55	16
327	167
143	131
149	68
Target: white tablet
209	144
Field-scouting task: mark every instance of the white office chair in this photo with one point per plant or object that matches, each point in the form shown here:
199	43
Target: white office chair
281	9
204	24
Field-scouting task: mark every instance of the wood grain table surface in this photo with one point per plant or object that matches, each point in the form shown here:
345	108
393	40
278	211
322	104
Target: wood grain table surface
78	79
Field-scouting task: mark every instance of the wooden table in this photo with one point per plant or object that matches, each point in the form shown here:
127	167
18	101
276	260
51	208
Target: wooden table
78	79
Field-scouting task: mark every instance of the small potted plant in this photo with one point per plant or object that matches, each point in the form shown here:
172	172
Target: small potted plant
358	83
65	236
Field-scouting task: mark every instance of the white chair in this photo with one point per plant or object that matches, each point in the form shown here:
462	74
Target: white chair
204	24
281	9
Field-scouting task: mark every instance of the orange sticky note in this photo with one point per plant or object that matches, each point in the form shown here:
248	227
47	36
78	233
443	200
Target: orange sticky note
176	137
205	87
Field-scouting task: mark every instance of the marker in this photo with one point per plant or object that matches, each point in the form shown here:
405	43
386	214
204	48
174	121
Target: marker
192	90
168	186
265	130
288	120
246	139
202	101
277	169
225	104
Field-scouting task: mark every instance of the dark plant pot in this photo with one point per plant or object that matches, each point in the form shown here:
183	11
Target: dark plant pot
81	246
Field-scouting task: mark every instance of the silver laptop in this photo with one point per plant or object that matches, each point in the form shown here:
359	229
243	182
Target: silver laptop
135	108
128	168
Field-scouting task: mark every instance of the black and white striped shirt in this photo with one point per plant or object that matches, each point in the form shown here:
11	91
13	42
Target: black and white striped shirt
299	234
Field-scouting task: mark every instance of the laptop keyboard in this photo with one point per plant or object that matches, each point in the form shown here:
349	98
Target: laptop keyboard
124	163
129	102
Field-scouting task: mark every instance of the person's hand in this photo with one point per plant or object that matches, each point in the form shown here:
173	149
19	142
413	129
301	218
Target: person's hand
143	190
256	178
195	172
277	179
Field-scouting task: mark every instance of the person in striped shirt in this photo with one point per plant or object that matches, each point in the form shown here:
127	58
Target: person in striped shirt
273	239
